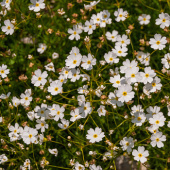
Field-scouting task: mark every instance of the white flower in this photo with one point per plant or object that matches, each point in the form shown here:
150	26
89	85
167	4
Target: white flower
111	58
75	115
64	124
41	111
163	20
166	61
42	48
140	154
39	78
112	36
55	55
96	18
144	19
41	125
6	3
4	96
3	158
50	67
89	27
15	101
154	85
139	118
37	5
95	135
73	60
30	136
120	51
122	41
113	100
53	151
158	120
26	98
57	112
125	93
8	28
116	80
120	15
157	139
74	74
158	42
101	110
74	33
127	144
55	87
92	4
85	109
4	71
88	62
147	76
127	65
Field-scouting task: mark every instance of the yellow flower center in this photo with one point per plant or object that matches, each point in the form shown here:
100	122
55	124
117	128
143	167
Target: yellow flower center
158	42
153	84
56	89
139	118
15	131
75	75
127	143
88	62
39	78
26	98
124	93
75	33
85	108
122	42
132	75
157	122
7	1
140	155
37	4
120	15
146	75
8	27
112	37
65	126
95	135
58	112
164	20
90	26
144	19
61	80
111	59
75	61
42	124
157	139
146	59
42	112
30	136
66	72
119	52
118	82
2	71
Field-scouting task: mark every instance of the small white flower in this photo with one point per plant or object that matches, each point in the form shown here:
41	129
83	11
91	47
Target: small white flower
88	62
144	19
163	20
127	144
37	5
64	124
39	78
140	154
158	42
8	28
4	71
74	33
53	151
157	139
120	15
95	135
42	48
112	36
